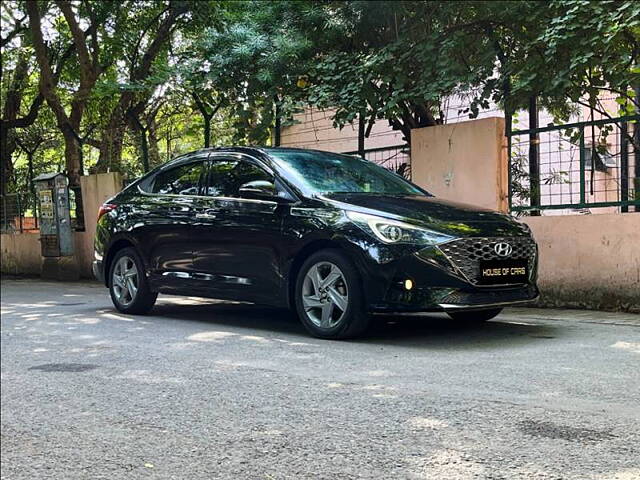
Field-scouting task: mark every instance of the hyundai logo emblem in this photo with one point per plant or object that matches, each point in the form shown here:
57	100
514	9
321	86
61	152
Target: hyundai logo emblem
503	249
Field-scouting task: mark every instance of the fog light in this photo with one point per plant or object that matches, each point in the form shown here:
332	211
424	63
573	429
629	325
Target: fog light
408	284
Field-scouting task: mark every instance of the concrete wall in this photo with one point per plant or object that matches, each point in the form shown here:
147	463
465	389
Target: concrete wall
96	189
464	161
20	252
590	261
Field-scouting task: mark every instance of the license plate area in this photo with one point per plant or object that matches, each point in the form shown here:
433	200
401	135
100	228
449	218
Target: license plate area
501	272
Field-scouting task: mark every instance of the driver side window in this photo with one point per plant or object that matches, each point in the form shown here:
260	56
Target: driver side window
227	176
246	172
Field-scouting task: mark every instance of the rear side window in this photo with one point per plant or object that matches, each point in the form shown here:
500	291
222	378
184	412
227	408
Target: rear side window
183	180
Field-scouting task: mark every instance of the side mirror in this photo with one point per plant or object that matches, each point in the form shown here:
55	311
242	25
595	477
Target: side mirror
258	189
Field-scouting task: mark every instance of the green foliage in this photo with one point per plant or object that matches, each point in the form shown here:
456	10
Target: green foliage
392	60
572	50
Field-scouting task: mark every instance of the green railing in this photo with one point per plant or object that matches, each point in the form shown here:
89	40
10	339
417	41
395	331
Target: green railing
580	165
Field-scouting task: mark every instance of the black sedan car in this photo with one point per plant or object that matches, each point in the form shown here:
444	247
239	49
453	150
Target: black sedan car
334	237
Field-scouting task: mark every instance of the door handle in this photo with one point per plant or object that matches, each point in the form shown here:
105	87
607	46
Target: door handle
207	215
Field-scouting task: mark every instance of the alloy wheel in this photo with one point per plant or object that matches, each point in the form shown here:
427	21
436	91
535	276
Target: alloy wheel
125	281
325	295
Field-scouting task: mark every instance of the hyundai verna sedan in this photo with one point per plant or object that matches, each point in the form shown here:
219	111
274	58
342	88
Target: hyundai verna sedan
334	237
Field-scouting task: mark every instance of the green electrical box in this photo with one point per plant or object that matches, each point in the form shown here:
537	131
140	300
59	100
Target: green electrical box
56	232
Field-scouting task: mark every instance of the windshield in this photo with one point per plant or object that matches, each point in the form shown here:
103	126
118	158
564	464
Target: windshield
324	173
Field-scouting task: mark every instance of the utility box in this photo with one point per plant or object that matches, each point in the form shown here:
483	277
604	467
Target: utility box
56	234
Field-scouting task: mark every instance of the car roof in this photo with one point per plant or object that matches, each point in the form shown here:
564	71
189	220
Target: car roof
259	152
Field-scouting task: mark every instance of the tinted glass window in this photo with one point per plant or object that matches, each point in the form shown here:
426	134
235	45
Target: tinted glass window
184	180
227	176
321	172
219	177
247	172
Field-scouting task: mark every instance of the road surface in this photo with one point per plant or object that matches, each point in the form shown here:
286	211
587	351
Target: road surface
203	389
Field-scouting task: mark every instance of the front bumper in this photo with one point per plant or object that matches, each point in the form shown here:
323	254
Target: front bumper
438	285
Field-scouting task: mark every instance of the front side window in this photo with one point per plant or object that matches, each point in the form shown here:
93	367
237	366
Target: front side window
182	180
227	176
219	177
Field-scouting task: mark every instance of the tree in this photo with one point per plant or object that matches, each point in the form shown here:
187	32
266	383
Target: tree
575	51
87	49
400	63
147	61
251	63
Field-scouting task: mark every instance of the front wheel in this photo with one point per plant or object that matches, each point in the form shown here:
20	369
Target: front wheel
128	284
328	296
475	316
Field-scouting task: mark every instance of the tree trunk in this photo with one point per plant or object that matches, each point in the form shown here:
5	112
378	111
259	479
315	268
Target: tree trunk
30	186
154	151
207	131
143	146
72	157
110	159
10	111
7	147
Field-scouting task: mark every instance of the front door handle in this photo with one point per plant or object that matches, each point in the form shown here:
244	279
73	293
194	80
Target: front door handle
207	215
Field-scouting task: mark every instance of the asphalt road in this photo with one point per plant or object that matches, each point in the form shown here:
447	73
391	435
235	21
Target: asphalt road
201	389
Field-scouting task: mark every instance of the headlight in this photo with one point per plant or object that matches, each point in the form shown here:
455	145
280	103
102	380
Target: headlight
393	231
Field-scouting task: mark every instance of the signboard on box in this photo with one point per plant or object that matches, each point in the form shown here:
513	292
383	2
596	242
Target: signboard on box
46	203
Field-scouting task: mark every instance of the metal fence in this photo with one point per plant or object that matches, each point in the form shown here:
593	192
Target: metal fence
396	158
18	213
577	167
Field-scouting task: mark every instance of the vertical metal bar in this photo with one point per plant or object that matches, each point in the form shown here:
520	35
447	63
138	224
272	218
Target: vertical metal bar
361	135
278	127
582	175
636	152
36	209
19	210
624	167
534	156
508	126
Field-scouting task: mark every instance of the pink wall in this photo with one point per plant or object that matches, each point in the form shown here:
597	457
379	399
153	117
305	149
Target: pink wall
465	162
589	260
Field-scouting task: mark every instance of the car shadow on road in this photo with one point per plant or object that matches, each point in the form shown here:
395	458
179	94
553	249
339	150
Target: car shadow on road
434	331
437	331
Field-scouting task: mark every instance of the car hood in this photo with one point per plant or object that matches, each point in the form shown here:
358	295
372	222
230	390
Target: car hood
453	218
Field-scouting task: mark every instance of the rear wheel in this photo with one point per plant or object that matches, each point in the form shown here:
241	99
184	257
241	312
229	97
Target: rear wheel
475	316
128	284
328	296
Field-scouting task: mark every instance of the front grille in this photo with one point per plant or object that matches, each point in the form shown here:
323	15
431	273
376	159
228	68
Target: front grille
466	253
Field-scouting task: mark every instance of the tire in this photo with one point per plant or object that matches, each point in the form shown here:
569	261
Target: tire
334	310
123	277
475	316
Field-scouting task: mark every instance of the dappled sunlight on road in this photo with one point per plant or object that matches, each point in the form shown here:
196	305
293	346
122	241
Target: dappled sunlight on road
209	336
633	347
